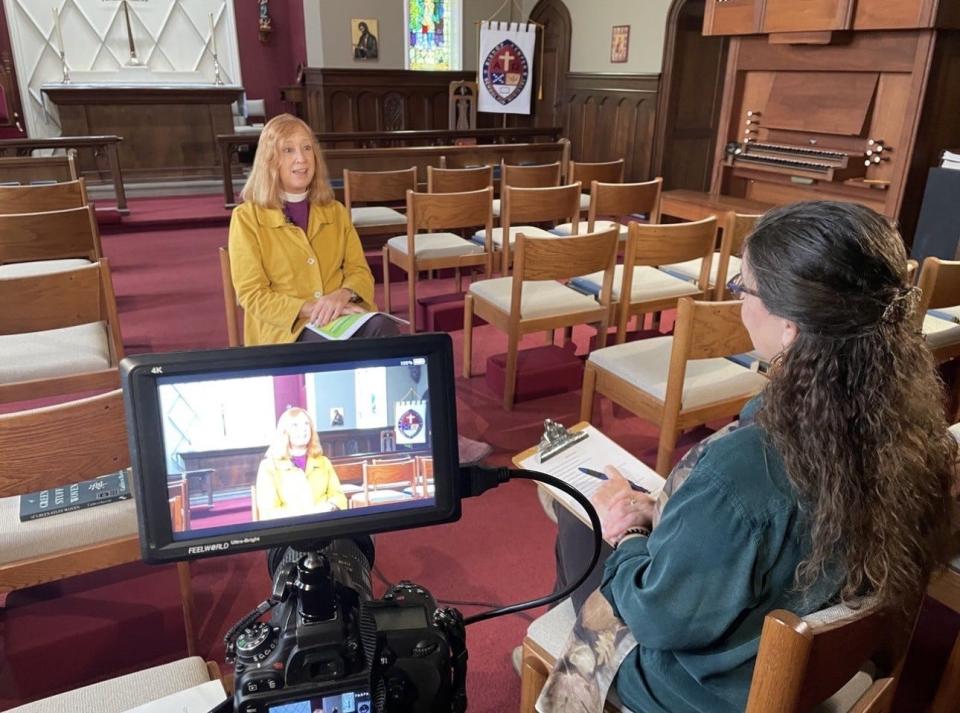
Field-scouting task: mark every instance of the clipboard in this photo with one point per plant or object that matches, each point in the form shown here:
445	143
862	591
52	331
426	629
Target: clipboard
595	451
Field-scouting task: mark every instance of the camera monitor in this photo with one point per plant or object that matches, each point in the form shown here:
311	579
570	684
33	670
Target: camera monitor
244	449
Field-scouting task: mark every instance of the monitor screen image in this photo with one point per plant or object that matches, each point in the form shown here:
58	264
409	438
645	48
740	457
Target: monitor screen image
241	452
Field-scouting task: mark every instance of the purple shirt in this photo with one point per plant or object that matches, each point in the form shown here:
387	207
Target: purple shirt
300	462
297	213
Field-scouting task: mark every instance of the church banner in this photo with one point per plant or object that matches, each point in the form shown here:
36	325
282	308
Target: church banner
506	75
410	425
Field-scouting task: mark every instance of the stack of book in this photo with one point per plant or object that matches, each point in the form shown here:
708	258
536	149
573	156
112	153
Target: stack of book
950	158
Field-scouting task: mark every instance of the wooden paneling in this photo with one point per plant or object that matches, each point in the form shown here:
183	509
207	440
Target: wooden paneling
611	116
732	17
340	100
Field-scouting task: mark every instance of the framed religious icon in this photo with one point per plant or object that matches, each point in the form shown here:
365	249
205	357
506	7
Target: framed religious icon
363	34
620	43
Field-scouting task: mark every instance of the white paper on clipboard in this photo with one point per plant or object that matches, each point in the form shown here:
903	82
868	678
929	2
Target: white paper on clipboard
594	452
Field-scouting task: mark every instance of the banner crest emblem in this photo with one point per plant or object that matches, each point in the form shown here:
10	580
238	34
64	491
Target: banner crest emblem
505	72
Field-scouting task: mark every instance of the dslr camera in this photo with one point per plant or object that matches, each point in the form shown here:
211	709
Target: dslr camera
203	428
329	644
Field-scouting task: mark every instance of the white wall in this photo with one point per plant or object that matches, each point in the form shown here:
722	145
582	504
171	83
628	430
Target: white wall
327	25
593	21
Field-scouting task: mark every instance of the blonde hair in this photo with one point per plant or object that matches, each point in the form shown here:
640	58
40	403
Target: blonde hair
263	185
280	448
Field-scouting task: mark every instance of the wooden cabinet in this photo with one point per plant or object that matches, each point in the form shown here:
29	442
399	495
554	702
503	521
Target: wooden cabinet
806	16
746	17
732	17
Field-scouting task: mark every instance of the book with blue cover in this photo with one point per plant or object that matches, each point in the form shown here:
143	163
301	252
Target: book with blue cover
85	494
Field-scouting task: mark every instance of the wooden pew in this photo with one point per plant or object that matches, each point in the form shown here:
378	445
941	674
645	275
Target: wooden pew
26	170
228	144
100	145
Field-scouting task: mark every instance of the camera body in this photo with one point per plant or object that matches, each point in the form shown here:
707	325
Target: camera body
330	644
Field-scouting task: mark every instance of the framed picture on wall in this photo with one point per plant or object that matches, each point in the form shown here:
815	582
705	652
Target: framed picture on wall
620	43
364	34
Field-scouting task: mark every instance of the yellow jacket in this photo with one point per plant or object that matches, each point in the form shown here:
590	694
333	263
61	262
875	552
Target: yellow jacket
276	269
283	490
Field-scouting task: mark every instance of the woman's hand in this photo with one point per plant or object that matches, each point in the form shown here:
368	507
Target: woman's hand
620	507
327	308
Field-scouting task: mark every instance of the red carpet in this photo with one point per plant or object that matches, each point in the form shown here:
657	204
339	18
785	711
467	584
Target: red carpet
71	633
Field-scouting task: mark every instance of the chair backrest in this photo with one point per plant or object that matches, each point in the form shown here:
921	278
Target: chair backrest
231	308
736	228
349	471
389	474
444	211
458	180
462	105
939	284
53	446
26	169
55	300
539	205
620	199
43	197
565	258
604	172
708	329
377	186
674	242
536	176
51	235
802	662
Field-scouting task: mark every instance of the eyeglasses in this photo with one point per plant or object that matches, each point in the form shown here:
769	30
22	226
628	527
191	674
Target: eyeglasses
738	289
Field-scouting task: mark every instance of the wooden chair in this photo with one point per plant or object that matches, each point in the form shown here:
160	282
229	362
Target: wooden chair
133	690
462	105
726	261
532	300
21	170
533	176
52	240
458	180
377	187
59	333
523	206
805	665
179	505
939	309
425	475
42	450
43	197
945	588
231	307
677	381
610	203
649	289
433	250
587	173
385	482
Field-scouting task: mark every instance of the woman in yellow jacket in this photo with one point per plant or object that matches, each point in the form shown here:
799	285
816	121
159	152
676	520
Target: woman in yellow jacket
295	478
295	257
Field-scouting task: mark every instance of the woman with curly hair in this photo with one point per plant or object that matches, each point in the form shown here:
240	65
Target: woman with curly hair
834	486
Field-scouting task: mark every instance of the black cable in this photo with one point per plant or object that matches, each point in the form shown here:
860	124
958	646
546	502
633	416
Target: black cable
482	479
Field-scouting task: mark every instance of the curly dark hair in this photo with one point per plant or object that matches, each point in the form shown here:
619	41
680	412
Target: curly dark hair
854	405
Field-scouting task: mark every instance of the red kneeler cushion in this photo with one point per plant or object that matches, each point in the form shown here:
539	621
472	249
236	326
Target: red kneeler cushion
442	313
541	371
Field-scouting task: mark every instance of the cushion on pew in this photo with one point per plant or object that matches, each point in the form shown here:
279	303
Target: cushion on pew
54	352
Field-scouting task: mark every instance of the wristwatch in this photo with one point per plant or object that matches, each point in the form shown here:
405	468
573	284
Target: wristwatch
354	297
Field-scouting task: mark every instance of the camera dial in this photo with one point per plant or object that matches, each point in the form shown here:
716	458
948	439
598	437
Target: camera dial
256	642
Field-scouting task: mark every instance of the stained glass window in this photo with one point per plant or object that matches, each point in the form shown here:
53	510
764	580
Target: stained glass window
433	34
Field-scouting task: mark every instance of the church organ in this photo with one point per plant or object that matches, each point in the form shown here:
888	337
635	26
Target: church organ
836	99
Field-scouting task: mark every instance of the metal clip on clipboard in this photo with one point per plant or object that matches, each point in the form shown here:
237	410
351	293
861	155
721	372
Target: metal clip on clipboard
556	439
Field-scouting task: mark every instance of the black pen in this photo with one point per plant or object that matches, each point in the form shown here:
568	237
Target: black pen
603	476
